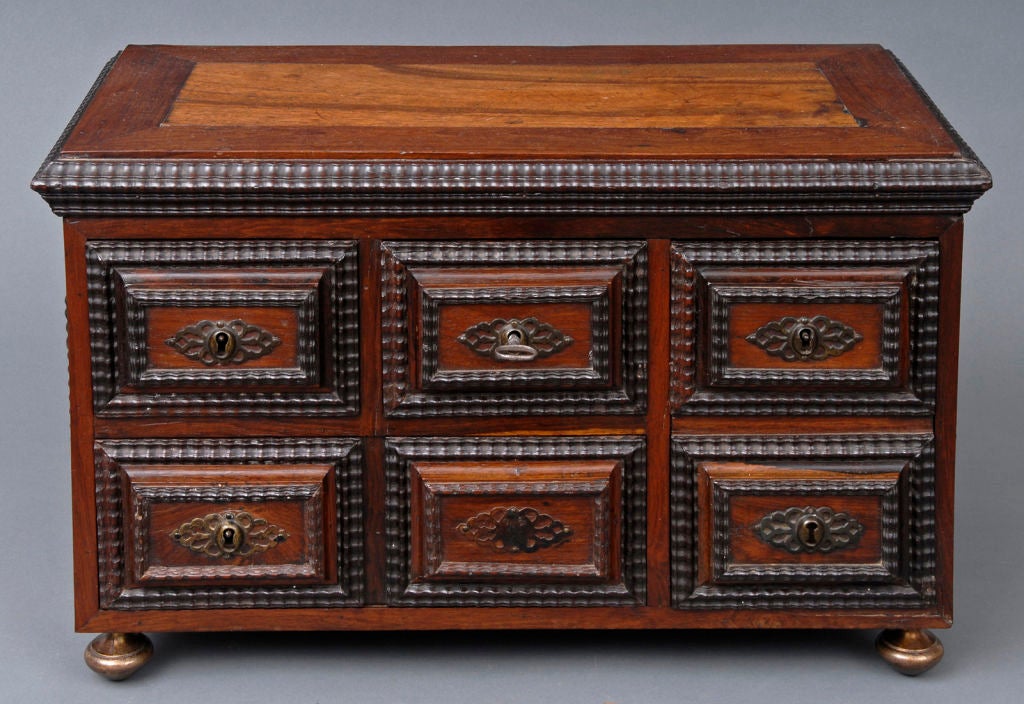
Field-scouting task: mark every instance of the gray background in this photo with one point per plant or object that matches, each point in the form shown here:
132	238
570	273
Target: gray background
966	54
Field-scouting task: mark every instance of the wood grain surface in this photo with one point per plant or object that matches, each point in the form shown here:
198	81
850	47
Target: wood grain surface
671	95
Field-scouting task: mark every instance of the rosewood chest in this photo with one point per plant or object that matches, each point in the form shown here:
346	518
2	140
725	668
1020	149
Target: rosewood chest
422	338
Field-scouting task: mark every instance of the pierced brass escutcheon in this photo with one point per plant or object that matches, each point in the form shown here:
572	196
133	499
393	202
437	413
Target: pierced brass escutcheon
219	343
805	339
228	534
514	340
809	530
512	529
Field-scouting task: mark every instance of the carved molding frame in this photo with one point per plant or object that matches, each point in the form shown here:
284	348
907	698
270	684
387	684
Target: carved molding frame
598	375
432	506
399	589
306	373
722	296
141	498
770	589
402	401
346	456
426	187
922	261
341	279
886	571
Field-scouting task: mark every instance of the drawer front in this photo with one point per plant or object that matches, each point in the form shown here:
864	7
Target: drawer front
492	521
804	327
224	327
489	328
261	525
803	521
761	523
222	523
499	522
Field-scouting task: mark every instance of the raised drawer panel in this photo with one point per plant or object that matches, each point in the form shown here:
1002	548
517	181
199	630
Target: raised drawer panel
245	525
224	328
188	524
804	328
516	521
501	522
514	328
769	523
787	521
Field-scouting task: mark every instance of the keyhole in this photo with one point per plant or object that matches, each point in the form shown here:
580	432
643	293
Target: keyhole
810	532
230	537
222	344
805	340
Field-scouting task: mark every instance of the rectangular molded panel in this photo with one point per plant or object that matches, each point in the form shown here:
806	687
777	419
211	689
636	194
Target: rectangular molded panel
516	521
804	327
224	327
228	523
803	521
514	328
197	526
826	521
513	522
201	329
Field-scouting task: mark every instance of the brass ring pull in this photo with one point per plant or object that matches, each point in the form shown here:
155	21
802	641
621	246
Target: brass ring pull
514	353
513	345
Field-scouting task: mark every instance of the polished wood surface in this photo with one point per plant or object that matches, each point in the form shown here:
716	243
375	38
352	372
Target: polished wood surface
745	320
416	102
638	96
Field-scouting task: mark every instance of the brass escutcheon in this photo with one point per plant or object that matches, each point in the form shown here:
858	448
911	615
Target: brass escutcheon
229	534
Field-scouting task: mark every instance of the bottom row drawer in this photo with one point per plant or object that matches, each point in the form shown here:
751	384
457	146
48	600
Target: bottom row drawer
530	521
816	521
823	521
186	524
215	523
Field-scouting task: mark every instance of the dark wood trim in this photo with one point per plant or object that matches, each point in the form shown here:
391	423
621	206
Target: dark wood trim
409	618
127	95
374	512
713	425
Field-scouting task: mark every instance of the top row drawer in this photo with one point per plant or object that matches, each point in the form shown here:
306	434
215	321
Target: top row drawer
478	328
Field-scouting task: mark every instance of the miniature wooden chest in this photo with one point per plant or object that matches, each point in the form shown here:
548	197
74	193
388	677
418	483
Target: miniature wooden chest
604	337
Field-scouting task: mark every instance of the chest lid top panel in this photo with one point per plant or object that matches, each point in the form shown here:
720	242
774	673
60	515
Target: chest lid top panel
547	118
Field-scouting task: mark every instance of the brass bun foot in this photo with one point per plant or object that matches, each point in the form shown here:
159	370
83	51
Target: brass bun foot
910	652
117	655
